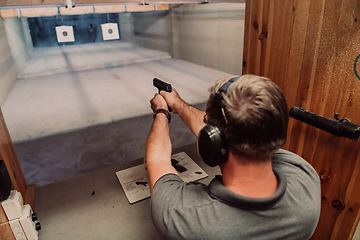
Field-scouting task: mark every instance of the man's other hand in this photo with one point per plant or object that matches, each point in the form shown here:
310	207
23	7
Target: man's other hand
172	99
158	102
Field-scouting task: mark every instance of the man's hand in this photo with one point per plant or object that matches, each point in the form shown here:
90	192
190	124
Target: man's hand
158	102
172	99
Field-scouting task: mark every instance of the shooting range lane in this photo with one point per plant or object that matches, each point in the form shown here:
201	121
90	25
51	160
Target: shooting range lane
80	57
75	122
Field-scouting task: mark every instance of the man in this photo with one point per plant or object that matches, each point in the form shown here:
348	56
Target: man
264	192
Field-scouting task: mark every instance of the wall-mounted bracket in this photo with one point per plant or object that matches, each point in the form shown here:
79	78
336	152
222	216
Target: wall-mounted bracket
143	2
69	4
336	126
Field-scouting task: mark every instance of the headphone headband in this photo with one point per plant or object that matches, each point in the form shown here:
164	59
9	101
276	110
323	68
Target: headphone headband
219	96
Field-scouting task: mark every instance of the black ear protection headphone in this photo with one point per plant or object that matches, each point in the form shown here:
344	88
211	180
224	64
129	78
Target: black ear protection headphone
212	144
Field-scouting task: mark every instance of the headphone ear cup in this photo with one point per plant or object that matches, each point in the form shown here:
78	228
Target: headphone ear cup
212	146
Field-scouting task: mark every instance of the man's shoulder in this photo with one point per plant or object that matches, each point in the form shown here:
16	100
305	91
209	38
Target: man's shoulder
295	168
303	182
290	162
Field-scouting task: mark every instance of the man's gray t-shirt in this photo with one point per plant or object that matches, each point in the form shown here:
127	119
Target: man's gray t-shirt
194	211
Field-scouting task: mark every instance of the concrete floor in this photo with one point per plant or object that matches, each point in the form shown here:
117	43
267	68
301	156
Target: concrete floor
66	120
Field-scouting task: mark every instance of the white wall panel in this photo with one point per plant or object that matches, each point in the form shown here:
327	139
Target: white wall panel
210	34
15	33
152	30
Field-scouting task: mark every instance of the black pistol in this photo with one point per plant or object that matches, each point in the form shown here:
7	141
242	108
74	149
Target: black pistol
161	85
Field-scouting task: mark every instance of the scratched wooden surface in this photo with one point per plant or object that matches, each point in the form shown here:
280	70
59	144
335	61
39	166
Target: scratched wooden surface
5	232
309	47
3	217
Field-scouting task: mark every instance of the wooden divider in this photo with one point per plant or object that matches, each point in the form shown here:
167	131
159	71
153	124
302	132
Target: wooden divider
8	155
10	158
308	48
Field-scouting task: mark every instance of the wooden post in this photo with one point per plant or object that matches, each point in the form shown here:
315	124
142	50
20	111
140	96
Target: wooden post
10	158
308	48
8	155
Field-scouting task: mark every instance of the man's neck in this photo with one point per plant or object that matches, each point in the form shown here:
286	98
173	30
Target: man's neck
248	177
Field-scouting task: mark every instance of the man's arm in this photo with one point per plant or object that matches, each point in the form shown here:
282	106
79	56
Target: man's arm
192	117
158	145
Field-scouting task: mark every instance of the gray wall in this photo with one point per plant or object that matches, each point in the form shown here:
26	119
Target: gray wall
8	72
147	29
126	27
210	35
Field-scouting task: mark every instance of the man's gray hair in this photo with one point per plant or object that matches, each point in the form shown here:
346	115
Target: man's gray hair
255	116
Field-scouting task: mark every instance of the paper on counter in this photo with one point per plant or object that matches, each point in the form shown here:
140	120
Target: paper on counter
135	182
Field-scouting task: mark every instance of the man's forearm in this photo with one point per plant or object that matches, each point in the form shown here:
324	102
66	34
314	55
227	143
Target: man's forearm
193	117
158	150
